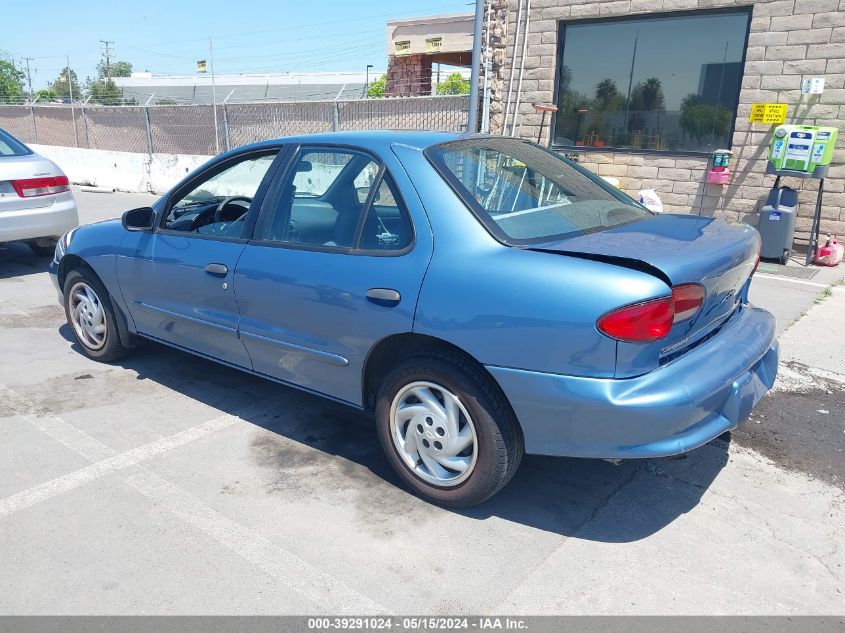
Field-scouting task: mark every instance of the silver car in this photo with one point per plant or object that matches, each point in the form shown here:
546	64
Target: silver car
36	203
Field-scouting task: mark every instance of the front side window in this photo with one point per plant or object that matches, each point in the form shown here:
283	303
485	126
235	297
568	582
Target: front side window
651	83
218	204
524	194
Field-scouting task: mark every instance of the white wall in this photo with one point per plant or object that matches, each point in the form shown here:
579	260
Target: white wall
123	171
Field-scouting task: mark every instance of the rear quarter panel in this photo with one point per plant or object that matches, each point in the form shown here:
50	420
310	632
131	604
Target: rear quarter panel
511	307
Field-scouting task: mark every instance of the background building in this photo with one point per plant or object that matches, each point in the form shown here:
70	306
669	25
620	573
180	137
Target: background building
645	89
421	52
245	88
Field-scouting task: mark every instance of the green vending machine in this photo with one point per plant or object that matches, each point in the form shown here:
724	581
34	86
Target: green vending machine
802	148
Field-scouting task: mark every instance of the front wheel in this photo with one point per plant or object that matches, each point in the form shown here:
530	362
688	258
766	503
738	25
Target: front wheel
89	312
447	430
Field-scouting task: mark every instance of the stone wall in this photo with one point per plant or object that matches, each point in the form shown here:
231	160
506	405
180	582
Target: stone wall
789	40
408	75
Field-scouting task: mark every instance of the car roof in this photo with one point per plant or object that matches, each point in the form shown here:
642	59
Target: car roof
367	139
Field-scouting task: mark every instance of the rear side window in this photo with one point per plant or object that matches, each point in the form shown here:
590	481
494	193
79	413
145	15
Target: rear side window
524	194
386	226
10	146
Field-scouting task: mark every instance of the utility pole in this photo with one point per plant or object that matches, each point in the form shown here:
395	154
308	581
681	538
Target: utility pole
31	109
28	75
107	54
213	96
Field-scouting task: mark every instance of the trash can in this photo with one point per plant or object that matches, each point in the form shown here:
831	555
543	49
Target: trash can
777	224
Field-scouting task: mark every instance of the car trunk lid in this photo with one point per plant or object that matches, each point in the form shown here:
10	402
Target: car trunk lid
680	249
22	168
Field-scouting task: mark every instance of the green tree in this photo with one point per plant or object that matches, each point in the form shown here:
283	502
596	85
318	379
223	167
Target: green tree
377	87
11	82
166	101
117	69
608	96
104	92
701	120
648	96
46	94
454	84
64	82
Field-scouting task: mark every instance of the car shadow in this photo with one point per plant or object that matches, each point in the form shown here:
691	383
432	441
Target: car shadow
18	260
584	498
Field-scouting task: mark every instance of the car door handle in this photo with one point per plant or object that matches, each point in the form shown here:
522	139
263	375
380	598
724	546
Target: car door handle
387	297
216	269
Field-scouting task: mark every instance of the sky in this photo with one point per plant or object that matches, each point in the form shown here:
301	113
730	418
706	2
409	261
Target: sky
169	36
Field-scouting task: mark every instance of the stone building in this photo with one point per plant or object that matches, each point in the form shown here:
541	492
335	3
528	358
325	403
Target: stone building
646	89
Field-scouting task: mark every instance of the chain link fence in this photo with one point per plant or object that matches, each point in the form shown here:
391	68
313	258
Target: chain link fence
190	129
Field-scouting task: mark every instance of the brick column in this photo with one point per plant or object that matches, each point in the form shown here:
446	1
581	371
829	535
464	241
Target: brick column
408	76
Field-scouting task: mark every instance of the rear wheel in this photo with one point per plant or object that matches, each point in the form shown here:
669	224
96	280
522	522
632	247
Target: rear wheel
89	312
447	430
784	258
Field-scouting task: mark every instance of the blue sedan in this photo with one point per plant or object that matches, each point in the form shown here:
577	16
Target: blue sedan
481	296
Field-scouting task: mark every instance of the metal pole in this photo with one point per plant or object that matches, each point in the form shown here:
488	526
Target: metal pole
367	83
214	97
816	226
472	116
488	67
148	125
32	114
85	122
69	78
226	120
336	109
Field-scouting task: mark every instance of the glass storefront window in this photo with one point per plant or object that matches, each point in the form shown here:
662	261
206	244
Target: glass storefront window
658	83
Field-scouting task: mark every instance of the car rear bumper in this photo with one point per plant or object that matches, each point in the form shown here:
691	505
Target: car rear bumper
41	222
680	406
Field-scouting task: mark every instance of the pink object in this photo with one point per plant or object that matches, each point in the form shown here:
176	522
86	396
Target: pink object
718	176
830	254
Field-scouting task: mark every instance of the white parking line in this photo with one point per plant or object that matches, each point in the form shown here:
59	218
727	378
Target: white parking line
116	461
328	593
792	280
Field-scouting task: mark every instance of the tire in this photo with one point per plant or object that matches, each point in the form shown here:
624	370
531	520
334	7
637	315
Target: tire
784	258
87	303
481	411
43	251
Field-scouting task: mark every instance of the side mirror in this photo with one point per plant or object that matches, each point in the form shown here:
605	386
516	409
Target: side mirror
140	219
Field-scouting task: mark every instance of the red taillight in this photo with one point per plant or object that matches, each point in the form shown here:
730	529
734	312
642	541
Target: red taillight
639	323
688	300
31	187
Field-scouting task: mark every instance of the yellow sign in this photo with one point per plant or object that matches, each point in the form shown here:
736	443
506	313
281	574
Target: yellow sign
200	65
768	113
433	44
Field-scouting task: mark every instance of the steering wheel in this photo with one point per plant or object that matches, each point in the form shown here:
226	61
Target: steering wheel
218	212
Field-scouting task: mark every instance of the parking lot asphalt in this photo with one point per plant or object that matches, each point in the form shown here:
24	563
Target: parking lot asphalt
167	484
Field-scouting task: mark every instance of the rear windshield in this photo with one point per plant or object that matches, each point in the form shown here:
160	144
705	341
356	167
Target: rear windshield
10	146
525	194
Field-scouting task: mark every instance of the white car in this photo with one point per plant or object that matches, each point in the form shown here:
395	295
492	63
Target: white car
36	203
